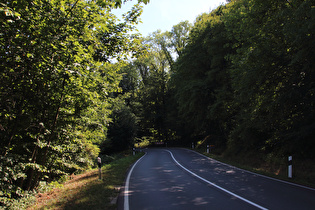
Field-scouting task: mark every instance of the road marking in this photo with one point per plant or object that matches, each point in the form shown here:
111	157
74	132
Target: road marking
126	191
250	172
214	185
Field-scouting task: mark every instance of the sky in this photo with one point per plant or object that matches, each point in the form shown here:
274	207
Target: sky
164	14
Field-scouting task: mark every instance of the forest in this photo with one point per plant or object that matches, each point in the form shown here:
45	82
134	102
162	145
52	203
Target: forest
77	83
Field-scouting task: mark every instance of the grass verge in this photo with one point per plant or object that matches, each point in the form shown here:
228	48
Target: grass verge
86	191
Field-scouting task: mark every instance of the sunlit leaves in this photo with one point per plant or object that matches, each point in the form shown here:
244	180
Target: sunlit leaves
56	78
118	3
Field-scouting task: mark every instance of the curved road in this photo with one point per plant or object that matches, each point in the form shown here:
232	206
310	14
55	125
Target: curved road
183	179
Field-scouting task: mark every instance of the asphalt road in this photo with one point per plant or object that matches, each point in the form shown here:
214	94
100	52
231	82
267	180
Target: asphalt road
183	179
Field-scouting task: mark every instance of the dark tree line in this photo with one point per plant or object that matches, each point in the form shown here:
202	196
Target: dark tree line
246	77
242	80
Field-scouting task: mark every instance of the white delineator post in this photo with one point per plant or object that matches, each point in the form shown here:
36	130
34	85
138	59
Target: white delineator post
99	163
290	167
208	148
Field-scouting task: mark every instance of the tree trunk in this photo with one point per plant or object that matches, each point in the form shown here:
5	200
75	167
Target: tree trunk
53	128
30	172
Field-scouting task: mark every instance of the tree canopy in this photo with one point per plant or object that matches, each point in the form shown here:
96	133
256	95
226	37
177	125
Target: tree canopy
56	79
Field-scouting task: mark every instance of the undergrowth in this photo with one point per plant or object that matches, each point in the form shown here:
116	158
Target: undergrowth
82	191
87	191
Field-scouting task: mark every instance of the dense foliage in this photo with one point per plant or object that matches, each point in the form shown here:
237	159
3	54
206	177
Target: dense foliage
246	78
149	75
242	80
56	77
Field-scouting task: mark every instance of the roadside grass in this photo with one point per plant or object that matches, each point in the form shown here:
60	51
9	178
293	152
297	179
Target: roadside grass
87	191
303	171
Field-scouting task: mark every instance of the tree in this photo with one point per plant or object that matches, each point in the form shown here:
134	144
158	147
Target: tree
273	118
179	36
200	79
151	95
122	129
55	80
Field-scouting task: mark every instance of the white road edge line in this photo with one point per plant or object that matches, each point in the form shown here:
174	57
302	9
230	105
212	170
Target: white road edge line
126	191
214	185
250	172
